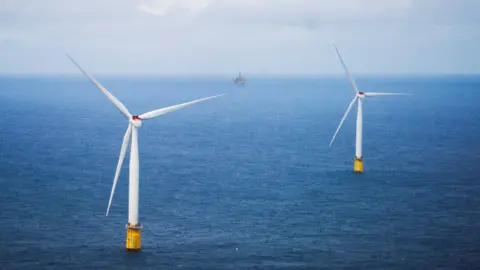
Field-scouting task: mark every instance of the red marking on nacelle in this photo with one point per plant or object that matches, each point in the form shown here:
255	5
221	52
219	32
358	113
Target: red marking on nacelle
135	117
361	93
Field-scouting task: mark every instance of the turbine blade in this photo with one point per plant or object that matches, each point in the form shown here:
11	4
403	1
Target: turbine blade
385	94
158	112
126	140
352	81
343	119
111	97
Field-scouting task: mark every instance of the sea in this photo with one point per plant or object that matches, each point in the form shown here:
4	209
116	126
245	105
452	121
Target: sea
243	181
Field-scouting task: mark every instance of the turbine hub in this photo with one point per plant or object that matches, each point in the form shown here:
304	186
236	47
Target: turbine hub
361	94
136	121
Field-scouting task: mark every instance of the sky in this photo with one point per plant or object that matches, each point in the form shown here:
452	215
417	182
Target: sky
224	37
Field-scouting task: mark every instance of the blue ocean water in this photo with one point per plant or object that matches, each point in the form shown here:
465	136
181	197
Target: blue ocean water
246	181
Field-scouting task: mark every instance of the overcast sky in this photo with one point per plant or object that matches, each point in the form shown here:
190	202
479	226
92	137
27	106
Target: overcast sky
222	37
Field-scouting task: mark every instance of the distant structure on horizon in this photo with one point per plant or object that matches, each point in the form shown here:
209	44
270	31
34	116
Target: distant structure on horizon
240	80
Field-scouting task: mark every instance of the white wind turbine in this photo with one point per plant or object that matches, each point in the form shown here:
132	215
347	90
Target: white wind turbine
133	241
359	96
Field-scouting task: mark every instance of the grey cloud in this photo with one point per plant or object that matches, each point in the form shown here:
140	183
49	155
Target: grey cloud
279	11
312	14
213	36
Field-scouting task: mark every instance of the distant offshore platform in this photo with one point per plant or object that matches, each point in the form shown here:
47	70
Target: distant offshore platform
240	80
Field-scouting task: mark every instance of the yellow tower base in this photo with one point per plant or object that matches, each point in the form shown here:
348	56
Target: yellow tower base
358	165
134	239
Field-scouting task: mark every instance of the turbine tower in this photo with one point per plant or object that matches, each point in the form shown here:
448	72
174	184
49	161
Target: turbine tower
133	241
359	97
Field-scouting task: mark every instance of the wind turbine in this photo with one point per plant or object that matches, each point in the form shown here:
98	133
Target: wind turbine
133	241
359	97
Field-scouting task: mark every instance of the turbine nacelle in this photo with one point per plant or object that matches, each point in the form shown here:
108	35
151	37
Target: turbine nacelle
361	95
136	121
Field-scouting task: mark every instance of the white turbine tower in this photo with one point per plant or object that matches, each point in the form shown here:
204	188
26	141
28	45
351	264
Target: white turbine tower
133	241
359	97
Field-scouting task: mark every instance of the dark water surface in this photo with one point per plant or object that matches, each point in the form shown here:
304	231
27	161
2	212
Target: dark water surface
246	181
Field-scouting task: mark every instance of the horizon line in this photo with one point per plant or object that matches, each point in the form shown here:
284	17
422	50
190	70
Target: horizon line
177	75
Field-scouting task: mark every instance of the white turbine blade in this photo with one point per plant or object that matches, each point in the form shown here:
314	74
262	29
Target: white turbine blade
126	140
158	112
343	119
352	81
385	94
111	97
